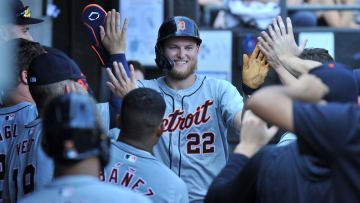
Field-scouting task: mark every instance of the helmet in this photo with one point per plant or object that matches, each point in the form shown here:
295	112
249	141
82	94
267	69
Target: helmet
178	26
72	130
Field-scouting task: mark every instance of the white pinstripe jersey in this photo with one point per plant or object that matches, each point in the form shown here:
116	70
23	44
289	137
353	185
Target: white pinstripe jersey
194	144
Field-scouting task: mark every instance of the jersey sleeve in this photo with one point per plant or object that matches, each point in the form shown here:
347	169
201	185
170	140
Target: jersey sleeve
325	130
231	102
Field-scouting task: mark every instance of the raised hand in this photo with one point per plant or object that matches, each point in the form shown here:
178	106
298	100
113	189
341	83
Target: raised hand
255	68
282	42
120	84
254	134
112	37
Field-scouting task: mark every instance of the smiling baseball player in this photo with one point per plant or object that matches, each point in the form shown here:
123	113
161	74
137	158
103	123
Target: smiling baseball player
199	109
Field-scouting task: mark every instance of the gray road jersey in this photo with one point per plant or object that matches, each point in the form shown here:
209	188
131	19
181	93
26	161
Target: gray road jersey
85	189
29	167
194	145
140	171
10	119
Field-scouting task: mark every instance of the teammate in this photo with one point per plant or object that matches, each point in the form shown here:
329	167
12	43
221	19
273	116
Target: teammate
22	24
79	148
305	174
49	75
199	109
328	131
132	164
18	106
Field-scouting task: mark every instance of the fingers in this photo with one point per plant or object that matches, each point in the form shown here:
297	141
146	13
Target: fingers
123	74
124	29
261	55
303	45
276	28
272	33
117	22
255	53
107	23
102	33
113	84
282	26
113	21
132	73
111	87
289	27
245	61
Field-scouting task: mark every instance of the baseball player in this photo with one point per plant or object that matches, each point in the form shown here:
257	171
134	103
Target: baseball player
49	75
132	164
80	149
18	108
199	109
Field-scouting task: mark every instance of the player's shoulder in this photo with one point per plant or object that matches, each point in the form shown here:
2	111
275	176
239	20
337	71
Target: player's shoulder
17	108
152	83
213	81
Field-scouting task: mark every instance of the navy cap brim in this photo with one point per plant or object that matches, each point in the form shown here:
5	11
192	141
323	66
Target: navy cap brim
28	21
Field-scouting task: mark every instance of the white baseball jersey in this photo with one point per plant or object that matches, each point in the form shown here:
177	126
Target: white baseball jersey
194	144
28	163
11	118
84	189
139	171
29	167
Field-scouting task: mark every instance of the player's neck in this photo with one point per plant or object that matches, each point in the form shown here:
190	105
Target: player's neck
180	84
18	95
142	145
89	166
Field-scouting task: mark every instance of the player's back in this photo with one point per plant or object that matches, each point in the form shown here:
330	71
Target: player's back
140	171
82	188
29	167
11	119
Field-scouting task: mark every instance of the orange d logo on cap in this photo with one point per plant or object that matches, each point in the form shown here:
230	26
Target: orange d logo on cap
181	25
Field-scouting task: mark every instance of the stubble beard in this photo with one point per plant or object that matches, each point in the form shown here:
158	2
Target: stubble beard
174	74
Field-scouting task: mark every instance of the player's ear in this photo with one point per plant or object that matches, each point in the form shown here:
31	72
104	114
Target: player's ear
160	129
23	77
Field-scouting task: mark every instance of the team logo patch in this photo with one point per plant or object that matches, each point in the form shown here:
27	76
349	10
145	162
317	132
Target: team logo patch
94	16
181	25
10	117
130	158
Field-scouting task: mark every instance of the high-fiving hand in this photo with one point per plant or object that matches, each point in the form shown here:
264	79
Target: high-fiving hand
255	68
112	37
120	84
281	42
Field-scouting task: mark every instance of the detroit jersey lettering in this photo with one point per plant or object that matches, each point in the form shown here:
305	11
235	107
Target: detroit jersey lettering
141	172
29	167
11	118
194	144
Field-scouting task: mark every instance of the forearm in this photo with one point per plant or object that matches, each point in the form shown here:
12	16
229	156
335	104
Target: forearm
285	77
297	66
273	104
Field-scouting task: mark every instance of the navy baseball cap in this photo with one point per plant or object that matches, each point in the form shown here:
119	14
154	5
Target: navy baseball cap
340	81
52	67
23	14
